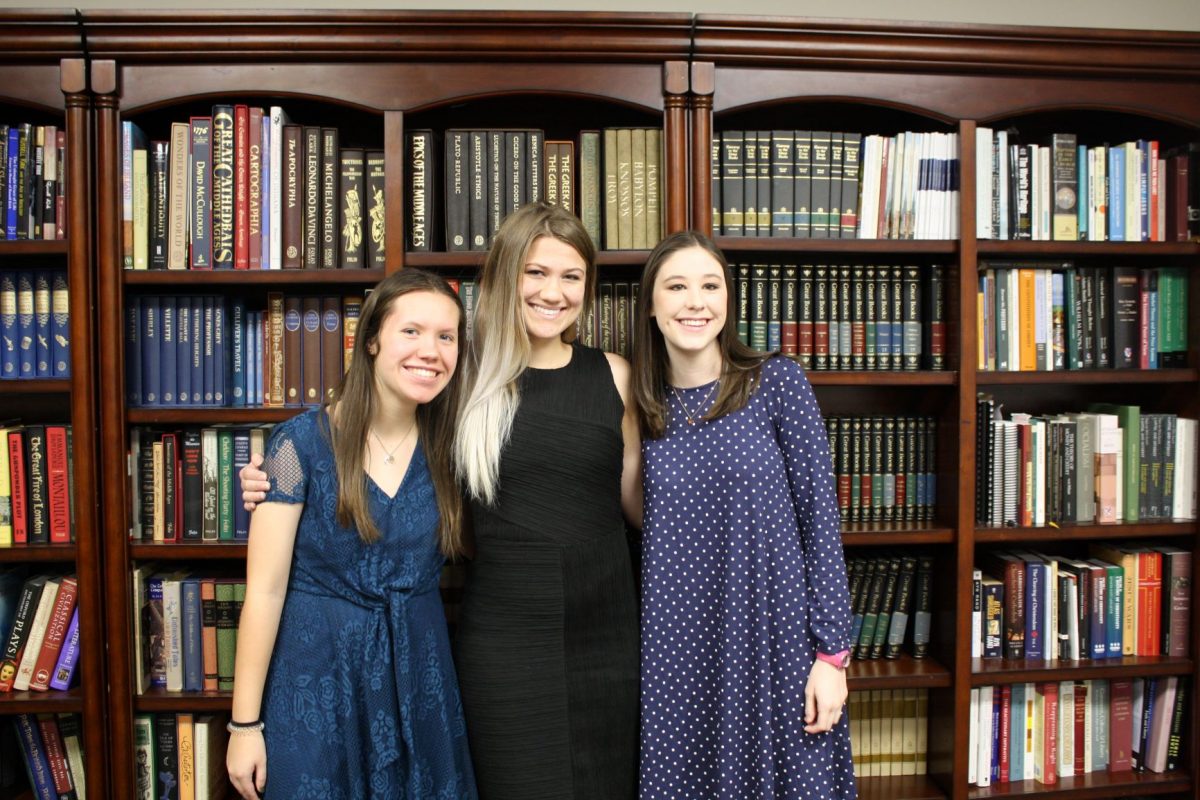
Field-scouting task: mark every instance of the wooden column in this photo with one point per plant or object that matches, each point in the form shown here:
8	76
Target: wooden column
675	87
703	84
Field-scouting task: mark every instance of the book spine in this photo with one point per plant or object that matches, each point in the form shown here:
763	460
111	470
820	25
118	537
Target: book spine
68	657
352	184
223	187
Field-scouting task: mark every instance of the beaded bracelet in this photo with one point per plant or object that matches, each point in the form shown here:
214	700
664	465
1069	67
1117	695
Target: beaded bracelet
245	727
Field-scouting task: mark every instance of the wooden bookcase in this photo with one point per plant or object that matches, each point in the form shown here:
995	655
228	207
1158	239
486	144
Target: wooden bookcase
889	77
43	78
374	75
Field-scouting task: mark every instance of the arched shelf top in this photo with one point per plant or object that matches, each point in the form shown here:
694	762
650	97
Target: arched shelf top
559	111
1108	116
169	105
867	113
395	86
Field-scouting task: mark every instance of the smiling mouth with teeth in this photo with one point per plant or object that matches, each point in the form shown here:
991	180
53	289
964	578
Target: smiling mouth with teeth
546	312
422	373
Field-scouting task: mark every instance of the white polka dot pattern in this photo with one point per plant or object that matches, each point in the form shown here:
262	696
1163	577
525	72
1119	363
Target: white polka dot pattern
744	578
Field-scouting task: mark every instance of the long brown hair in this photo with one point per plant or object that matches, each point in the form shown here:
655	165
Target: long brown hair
356	402
740	365
500	345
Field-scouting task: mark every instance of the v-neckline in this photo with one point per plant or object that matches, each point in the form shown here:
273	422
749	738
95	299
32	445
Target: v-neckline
403	479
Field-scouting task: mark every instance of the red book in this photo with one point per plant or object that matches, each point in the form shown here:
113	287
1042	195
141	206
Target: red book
1005	725
56	634
1155	189
1147	284
1149	602
1177	192
241	187
55	755
1120	725
1176	601
254	192
208	632
1081	699
19	488
58	483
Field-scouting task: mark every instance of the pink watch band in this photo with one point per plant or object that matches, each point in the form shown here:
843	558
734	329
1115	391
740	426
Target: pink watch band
840	660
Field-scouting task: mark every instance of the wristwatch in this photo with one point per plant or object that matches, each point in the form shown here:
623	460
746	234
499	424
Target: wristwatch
840	660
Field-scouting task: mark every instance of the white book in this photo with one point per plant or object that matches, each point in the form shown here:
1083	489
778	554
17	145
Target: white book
868	220
1133	193
983	775
955	193
265	188
876	732
985	190
1160	233
1030	726
173	631
37	633
1102	210
899	712
1183	503
1035	197
1066	729
279	118
973	740
908	748
886	715
1004	160
976	614
1073	621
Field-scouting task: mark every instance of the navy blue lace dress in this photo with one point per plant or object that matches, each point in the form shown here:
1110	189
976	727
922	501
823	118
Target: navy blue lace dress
361	699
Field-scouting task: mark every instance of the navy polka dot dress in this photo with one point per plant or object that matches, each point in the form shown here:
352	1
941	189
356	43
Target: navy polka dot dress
744	579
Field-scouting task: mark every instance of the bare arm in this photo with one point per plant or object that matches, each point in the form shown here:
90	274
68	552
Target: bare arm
631	464
268	563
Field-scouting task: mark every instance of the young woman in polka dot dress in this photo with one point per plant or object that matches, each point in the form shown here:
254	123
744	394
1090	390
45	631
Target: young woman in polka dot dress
745	610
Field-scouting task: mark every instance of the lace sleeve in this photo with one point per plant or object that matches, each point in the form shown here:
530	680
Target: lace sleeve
283	466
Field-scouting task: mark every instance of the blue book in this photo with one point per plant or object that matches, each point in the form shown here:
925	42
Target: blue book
1016	733
1083	207
151	336
252	359
237	352
1097	614
37	766
197	359
10	218
153	629
167	350
1116	194
133	351
241	457
1143	191
1035	577
9	360
11	581
193	641
208	360
183	351
997	700
41	325
221	359
26	349
60	325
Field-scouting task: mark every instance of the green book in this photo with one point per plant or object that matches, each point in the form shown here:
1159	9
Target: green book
226	635
225	481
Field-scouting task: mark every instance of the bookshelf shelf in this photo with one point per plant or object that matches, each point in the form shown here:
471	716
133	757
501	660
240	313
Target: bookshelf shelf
988	671
36	386
238	277
882	378
59	247
1096	784
161	700
209	416
28	702
883	534
989	247
910	787
886	247
905	672
175	551
41	553
1124	530
1103	377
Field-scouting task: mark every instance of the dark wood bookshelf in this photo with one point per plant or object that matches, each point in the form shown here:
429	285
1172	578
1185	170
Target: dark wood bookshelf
183	415
1065	532
883	247
242	277
1095	784
912	787
818	377
1029	249
988	671
188	551
1103	377
905	672
888	534
157	699
43	81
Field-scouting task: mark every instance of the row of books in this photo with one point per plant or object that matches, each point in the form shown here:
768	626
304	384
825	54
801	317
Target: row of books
886	593
185	629
40	624
845	317
1066	191
889	731
182	482
33	166
885	467
50	748
1126	600
831	185
212	350
180	756
244	188
1039	316
1109	464
1061	729
35	331
36	485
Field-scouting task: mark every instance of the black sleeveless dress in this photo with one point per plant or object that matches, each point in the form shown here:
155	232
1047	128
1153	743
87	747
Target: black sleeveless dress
547	645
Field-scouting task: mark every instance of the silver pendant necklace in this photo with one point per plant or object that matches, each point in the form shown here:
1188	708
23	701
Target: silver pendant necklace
389	456
691	418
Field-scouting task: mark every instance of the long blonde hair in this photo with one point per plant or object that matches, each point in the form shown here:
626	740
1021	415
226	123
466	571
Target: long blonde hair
355	403
500	349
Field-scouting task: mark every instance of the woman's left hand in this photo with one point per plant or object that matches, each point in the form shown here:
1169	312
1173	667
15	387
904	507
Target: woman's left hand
824	697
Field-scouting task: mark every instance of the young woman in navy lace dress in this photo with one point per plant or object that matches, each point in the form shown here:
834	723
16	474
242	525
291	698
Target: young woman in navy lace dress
344	684
745	607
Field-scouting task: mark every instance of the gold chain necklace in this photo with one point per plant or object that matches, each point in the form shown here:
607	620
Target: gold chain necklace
691	418
389	457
